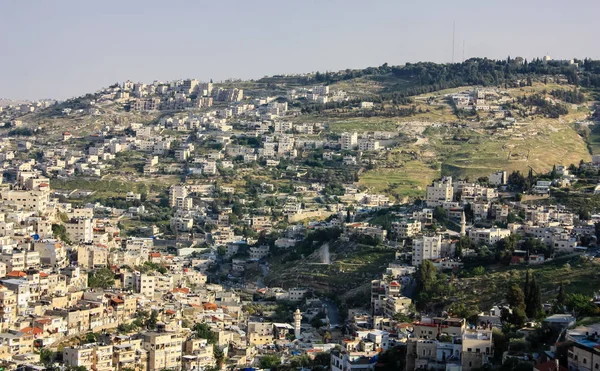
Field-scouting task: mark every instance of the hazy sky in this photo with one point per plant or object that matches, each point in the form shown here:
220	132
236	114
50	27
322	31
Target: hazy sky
64	48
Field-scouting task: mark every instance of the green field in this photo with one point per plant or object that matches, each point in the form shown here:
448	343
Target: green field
408	181
539	146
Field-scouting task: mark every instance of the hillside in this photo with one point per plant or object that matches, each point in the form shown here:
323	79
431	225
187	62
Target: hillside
413	101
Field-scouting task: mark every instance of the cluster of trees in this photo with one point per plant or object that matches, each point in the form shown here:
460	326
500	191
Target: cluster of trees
101	278
524	302
430	284
519	182
253	142
574	96
313	242
330	175
319	362
150	267
20	132
60	231
425	77
506	246
544	106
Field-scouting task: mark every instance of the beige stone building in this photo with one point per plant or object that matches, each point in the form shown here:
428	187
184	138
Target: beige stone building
165	350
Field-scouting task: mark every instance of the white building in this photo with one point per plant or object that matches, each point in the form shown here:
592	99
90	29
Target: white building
439	192
426	248
348	141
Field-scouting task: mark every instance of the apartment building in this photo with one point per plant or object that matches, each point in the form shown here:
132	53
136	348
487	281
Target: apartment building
487	236
91	356
165	350
91	257
368	145
348	141
29	200
144	284
260	333
177	194
406	228
426	248
387	298
8	308
80	230
439	192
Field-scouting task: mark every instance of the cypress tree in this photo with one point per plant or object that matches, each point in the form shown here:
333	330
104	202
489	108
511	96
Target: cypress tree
526	287
534	300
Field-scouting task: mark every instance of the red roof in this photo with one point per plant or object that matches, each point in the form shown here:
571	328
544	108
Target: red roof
394	283
43	274
155	255
44	321
16	274
210	306
183	290
169	311
32	331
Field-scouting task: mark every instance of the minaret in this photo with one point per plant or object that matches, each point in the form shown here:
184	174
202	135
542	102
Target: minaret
297	321
463	225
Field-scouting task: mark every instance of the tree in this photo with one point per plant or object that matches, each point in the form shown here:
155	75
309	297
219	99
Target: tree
515	297
269	361
478	271
60	231
426	279
526	286
153	320
597	230
518	317
47	356
203	331
322	359
300	361
581	305
101	278
533	299
516	180
392	359
91	337
426	275
219	356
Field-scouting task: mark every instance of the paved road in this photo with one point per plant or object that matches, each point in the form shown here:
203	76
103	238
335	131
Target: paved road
264	270
409	288
332	312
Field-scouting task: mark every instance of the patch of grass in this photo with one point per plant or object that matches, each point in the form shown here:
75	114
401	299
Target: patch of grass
410	180
540	145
